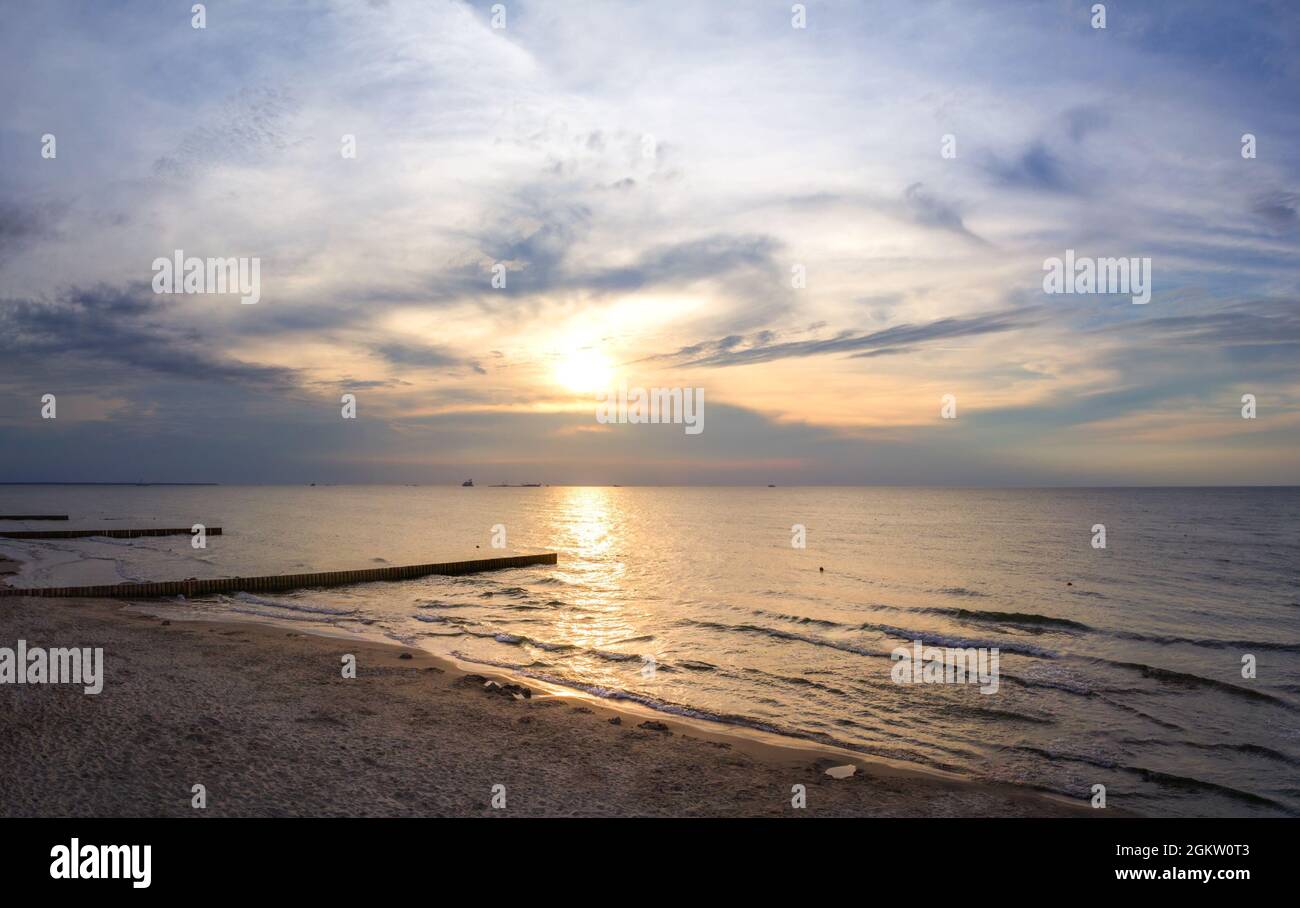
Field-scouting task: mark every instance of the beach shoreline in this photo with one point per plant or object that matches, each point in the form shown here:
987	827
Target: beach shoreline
262	717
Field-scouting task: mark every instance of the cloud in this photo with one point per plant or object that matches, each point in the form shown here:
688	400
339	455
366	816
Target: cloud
1279	209
425	357
1036	169
928	211
898	339
1262	323
246	129
125	326
527	147
1080	122
543	260
22	224
707	258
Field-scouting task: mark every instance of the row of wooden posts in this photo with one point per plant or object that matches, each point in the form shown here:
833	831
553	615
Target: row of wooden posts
280	582
112	534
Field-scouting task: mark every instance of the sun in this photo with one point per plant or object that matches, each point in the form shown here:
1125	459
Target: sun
584	371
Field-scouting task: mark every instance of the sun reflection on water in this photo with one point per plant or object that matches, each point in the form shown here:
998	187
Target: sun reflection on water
585	521
588	524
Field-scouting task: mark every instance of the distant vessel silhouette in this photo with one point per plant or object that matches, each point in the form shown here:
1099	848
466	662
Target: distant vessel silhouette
467	483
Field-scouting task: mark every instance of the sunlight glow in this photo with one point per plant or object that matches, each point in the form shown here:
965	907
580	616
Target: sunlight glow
584	371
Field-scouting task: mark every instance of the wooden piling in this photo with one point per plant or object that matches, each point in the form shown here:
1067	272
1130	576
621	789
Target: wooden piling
190	588
115	534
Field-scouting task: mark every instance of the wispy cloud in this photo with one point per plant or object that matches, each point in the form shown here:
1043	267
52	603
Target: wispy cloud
735	350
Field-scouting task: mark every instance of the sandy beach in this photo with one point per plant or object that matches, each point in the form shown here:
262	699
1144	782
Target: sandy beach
262	717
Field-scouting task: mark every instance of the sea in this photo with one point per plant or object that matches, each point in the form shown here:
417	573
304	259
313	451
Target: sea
1164	666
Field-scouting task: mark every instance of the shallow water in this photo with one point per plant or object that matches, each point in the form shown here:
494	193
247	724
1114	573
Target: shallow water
1120	666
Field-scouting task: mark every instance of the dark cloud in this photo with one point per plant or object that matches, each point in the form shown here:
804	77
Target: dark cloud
534	261
124	326
685	263
348	383
928	211
895	340
1036	169
1279	209
1263	323
21	224
420	356
539	262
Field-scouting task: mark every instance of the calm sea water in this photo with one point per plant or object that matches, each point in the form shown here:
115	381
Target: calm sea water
1120	666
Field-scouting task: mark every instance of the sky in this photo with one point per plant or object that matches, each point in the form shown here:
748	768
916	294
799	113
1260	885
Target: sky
652	179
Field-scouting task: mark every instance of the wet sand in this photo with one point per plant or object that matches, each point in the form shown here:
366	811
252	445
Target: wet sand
262	717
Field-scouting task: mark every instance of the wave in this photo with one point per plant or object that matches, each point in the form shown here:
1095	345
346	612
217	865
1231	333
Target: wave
614	693
616	657
905	754
797	681
551	647
511	639
250	599
929	638
1133	710
1185	679
1187	783
798	619
995	715
782	635
1167	780
1255	750
1168	640
447	619
515	592
261	613
1032	619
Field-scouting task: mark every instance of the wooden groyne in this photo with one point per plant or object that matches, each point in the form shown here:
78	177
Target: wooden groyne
190	588
33	516
116	534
